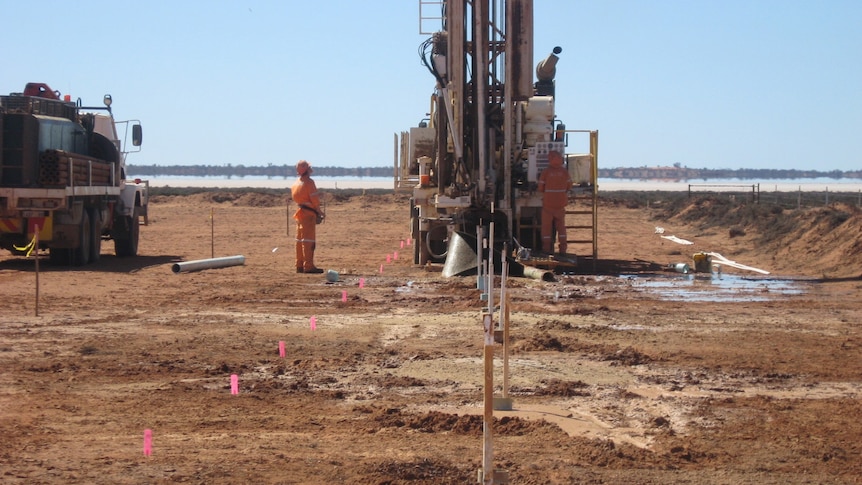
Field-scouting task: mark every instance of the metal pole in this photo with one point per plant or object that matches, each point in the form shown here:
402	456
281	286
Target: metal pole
480	82
212	232
508	118
479	273
490	285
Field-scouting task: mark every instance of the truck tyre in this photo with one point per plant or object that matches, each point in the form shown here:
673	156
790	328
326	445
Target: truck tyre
127	245
81	254
420	250
95	235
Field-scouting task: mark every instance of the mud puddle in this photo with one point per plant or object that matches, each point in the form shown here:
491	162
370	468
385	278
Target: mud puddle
717	287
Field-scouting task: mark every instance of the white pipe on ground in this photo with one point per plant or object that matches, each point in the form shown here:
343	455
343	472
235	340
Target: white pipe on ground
208	263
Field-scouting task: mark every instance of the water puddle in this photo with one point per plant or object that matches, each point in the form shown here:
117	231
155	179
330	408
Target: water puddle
407	288
716	287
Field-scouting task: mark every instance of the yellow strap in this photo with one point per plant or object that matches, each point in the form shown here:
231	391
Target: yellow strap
29	247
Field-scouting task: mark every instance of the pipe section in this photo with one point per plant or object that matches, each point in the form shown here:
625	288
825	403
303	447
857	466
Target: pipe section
538	274
208	263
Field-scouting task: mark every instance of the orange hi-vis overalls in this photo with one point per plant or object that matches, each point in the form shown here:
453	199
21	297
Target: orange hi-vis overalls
304	193
554	184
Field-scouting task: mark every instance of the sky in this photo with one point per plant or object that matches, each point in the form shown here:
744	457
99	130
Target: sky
768	84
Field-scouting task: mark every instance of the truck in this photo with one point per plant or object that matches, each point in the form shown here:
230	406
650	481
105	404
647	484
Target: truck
63	180
477	155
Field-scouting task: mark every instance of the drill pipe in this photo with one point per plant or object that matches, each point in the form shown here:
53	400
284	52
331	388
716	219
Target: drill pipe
208	263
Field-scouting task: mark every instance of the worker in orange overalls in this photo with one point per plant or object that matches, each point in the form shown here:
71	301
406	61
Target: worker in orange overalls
554	184
304	193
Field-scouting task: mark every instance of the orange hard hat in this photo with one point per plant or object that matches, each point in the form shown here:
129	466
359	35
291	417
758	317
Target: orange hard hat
302	167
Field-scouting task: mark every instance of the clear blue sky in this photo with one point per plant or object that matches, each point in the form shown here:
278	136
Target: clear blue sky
707	84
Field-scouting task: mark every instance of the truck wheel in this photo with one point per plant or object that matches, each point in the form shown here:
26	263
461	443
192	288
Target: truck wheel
96	235
81	254
420	250
128	244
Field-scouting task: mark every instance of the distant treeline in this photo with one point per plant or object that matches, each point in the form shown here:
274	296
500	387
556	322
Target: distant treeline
240	171
635	173
685	173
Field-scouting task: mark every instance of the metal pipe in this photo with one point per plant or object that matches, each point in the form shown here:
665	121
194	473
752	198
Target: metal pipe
208	263
480	85
538	274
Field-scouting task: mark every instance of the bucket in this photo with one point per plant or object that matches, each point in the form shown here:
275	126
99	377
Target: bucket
424	171
681	268
331	276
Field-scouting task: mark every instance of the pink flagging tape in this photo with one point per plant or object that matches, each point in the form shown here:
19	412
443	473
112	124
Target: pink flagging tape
148	442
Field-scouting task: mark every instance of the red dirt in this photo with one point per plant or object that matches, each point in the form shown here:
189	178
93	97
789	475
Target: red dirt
613	380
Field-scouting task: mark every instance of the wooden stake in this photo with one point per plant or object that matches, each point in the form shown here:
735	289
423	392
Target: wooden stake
504	317
488	420
36	249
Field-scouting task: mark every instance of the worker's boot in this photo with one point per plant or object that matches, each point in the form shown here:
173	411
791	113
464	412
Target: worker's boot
308	258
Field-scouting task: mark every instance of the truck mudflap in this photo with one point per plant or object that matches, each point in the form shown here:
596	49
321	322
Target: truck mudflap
13	235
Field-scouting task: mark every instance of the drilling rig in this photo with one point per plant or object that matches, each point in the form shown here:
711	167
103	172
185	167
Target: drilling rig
477	155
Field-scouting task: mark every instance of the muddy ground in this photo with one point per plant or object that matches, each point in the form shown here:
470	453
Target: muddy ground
646	377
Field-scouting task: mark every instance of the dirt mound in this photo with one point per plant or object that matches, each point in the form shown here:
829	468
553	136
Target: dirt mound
827	240
545	341
822	241
249	199
467	424
234	198
627	356
422	470
557	387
